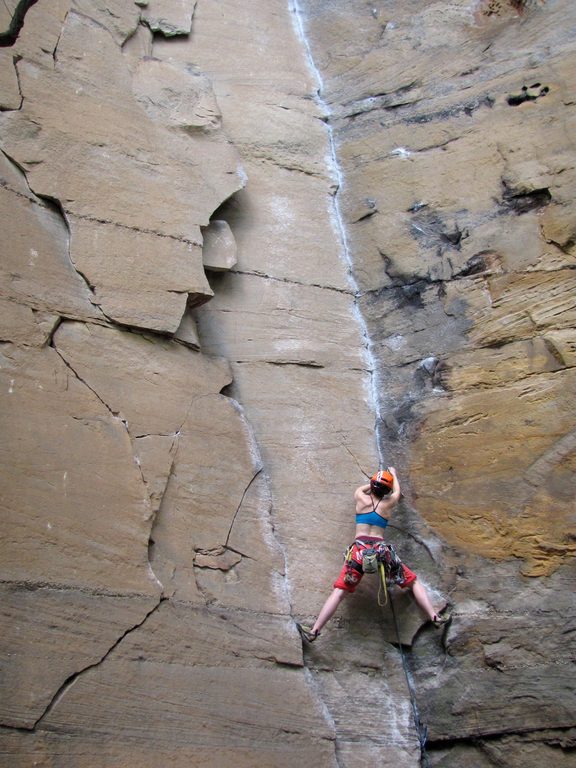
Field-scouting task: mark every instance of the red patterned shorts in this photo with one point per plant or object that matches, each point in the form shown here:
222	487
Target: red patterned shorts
351	573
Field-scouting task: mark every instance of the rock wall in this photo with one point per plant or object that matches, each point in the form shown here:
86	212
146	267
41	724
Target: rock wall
250	251
454	128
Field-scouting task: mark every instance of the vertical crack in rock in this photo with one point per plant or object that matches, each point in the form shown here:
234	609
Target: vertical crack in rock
315	688
246	489
57	206
420	729
15	60
61	692
157	517
373	385
156	514
57	43
135	458
446	238
269	520
150	547
209	555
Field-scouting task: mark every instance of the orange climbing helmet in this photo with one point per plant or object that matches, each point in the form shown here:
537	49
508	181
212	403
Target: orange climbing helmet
381	483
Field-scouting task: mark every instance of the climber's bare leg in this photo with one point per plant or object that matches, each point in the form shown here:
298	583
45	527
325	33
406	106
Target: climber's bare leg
421	597
328	609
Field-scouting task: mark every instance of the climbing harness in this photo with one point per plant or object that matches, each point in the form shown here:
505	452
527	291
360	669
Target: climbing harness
374	557
374	552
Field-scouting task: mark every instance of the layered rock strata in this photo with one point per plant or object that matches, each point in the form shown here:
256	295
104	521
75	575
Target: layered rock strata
235	234
146	605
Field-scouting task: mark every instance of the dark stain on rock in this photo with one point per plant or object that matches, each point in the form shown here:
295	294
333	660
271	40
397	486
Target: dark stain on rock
400	423
502	7
417	206
484	261
456	111
403	294
433	232
411	294
428	374
521	201
528	93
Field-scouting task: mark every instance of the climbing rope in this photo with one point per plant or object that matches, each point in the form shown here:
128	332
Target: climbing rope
421	729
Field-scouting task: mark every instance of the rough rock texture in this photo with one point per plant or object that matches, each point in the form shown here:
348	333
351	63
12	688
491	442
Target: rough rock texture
454	125
237	236
146	609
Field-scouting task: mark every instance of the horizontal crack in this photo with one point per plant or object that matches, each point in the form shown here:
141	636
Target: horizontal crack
301	364
154	232
254	150
458	741
33	586
256	273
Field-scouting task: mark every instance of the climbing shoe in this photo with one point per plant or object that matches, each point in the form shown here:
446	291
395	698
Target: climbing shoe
307	633
441	619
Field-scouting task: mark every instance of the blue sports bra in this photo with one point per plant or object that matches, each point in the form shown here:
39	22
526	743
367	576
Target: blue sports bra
371	518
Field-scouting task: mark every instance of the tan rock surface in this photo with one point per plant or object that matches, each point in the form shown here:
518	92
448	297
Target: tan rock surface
124	437
110	143
179	95
388	189
95	122
37	272
150	383
139	278
219	251
171	17
23	325
197	677
8	16
49	638
9	91
62	526
262	319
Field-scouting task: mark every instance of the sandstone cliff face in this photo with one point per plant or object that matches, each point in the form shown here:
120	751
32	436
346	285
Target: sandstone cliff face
251	250
454	129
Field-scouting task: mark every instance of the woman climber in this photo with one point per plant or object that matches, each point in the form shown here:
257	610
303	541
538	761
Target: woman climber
374	504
